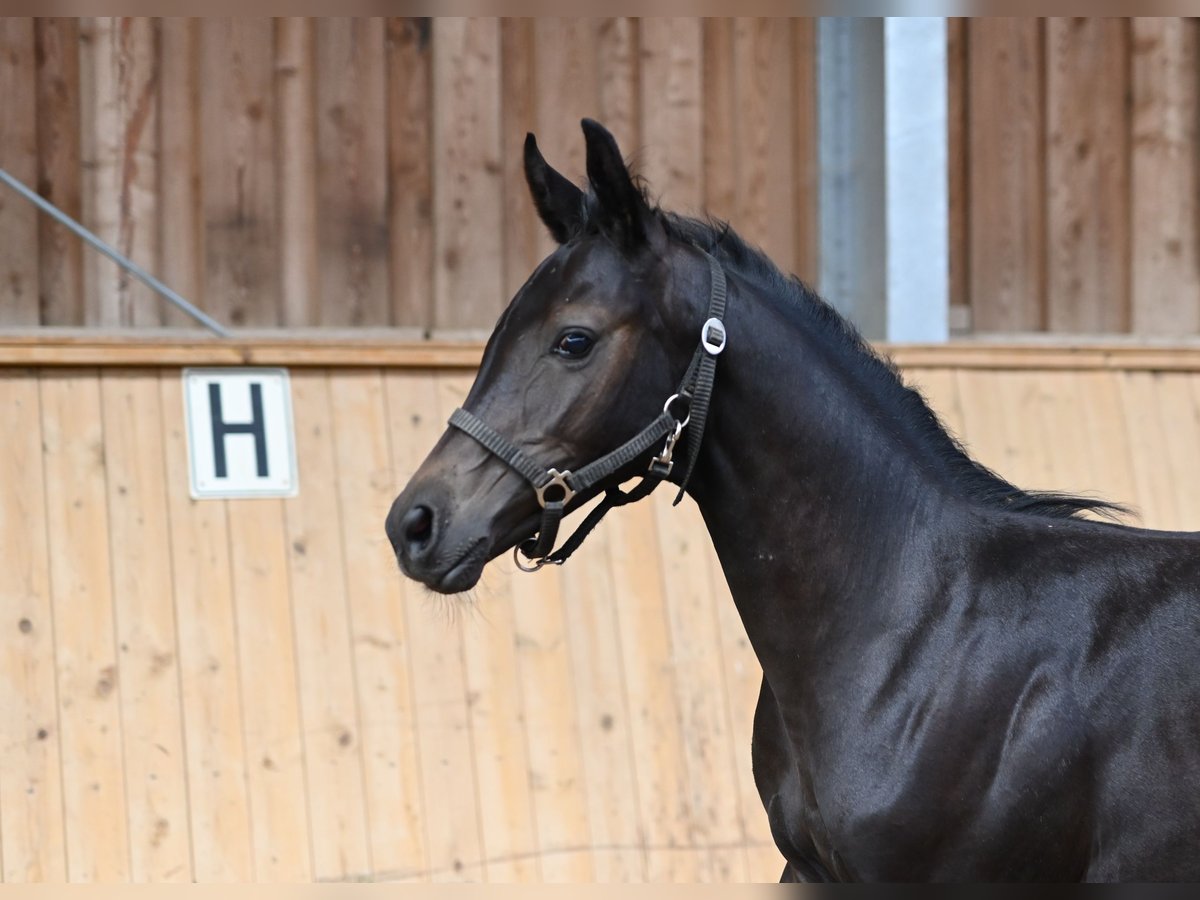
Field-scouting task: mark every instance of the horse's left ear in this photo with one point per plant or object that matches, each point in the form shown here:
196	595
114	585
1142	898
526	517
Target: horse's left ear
623	210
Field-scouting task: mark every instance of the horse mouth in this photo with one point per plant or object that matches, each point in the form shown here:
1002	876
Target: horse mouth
465	572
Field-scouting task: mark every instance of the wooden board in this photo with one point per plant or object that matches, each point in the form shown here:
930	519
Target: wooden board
59	253
151	715
238	170
1166	243
381	639
466	173
321	614
1005	219
209	670
19	156
1087	175
95	806
32	838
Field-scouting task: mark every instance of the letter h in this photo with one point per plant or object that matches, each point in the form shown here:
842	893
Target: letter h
220	428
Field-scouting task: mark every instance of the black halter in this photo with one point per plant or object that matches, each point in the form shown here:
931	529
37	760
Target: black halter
555	489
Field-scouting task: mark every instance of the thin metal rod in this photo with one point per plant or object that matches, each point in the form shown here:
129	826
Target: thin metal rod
112	253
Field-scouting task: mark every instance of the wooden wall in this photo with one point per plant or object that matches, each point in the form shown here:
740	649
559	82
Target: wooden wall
1075	187
247	690
366	172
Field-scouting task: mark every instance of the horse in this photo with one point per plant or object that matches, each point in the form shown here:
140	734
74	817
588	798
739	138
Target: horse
962	680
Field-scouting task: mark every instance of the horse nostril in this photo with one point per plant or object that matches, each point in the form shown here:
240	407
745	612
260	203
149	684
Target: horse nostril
417	526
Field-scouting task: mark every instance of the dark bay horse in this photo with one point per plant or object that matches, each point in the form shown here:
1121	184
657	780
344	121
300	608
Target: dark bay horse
962	680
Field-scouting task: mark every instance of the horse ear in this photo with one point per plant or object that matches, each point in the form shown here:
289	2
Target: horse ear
623	209
559	203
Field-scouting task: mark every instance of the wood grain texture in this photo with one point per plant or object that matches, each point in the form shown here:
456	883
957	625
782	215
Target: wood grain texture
209	670
181	228
95	806
525	237
352	169
19	227
32	830
410	170
151	716
59	253
238	164
1087	174
671	98
326	673
1006	219
381	638
467	165
1165	233
119	115
297	72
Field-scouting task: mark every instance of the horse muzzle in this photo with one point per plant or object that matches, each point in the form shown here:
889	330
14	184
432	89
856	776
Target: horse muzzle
430	546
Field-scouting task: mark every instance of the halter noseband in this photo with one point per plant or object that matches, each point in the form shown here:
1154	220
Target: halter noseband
555	488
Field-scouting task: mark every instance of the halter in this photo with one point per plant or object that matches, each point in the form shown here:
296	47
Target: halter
555	489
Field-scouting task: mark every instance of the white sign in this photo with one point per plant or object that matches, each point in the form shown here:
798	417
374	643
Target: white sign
239	433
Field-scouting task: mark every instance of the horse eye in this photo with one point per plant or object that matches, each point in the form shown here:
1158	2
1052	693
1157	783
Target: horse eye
573	344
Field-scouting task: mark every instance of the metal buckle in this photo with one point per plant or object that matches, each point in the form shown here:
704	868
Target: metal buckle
557	479
662	464
713	344
537	563
672	399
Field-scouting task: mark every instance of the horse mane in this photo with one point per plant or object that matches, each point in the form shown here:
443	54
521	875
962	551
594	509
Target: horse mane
975	480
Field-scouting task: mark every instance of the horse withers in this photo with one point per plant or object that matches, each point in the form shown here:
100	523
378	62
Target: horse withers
961	680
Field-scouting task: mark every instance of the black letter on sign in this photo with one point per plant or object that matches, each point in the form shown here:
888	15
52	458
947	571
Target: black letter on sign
256	426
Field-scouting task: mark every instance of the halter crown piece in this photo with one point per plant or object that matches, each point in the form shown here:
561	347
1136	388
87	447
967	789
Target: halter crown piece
555	489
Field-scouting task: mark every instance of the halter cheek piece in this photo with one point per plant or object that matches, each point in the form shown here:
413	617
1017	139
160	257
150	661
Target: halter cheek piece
555	489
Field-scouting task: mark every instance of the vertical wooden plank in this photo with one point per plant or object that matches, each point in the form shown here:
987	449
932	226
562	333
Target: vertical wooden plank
89	688
60	259
1087	166
410	170
381	641
1176	406
1006	218
352	172
672	129
180	242
712	799
720	153
807	259
32	830
957	73
275	759
524	236
296	123
503	738
1166	243
19	151
444	745
566	89
210	683
1106	435
762	128
1153	481
617	57
238	172
141	572
603	712
466	173
119	116
655	729
327	679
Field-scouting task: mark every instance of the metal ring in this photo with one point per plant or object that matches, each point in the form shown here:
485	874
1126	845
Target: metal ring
667	409
520	565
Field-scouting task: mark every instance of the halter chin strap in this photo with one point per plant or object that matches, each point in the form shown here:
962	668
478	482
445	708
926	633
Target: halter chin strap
555	489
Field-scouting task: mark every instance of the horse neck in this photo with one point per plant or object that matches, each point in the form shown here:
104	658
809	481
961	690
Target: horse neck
815	497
